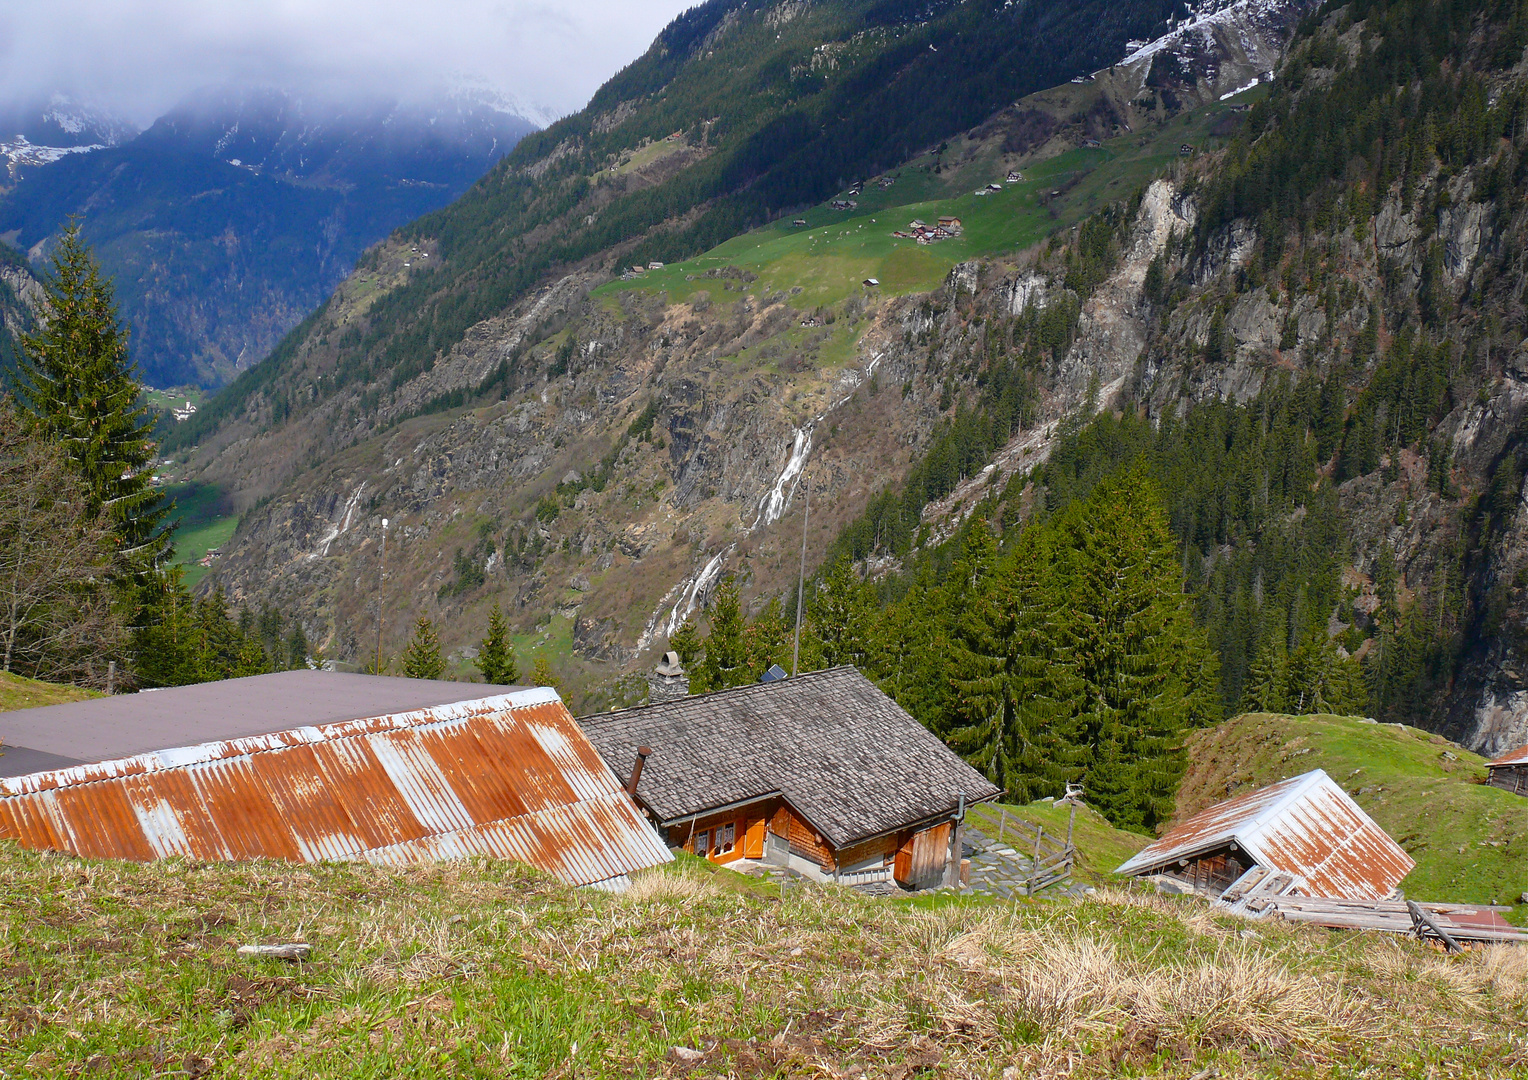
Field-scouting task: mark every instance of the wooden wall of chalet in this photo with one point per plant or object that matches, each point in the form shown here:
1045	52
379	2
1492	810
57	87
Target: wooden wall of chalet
1513	778
711	834
917	858
921	859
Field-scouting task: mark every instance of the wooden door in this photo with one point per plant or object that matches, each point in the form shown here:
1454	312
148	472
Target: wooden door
920	861
753	839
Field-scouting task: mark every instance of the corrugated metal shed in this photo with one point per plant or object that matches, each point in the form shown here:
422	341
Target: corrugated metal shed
509	776
1306	827
1516	757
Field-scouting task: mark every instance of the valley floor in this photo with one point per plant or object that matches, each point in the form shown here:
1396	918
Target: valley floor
483	969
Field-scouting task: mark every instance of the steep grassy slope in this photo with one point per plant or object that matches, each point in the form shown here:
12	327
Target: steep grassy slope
1470	841
837	249
481	969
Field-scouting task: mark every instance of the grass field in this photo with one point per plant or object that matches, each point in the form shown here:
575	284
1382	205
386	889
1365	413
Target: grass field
203	524
1470	841
19	693
838	249
484	969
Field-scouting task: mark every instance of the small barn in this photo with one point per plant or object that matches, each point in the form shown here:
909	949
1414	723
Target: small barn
1510	771
315	766
1300	836
820	772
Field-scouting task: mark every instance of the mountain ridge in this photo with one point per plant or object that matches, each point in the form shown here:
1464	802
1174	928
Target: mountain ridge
231	217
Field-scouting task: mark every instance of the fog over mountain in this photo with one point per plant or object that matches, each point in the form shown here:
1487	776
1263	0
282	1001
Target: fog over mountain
139	58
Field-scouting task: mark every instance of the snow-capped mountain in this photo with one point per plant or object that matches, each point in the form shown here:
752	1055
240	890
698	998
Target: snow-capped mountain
42	132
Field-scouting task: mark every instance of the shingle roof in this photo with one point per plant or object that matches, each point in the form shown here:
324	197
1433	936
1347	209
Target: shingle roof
509	775
1305	826
843	753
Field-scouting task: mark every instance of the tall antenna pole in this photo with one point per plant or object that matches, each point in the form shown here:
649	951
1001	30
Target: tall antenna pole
801	580
381	574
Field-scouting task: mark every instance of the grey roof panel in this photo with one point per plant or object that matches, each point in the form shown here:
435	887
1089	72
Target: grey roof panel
103	729
22	760
844	754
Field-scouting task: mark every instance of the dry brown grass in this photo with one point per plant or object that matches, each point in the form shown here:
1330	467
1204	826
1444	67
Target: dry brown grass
485	969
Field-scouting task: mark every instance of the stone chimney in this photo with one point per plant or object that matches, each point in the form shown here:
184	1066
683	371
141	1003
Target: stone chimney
668	681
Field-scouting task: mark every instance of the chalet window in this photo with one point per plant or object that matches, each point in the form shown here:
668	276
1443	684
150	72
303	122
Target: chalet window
703	843
726	838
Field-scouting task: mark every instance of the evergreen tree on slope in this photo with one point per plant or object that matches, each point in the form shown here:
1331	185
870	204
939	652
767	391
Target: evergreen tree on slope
1144	671
496	654
422	658
1011	676
77	380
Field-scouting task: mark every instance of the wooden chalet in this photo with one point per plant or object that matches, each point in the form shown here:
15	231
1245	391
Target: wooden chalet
1510	771
820	772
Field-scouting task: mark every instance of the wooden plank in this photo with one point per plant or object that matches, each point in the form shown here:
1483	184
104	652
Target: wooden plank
1423	918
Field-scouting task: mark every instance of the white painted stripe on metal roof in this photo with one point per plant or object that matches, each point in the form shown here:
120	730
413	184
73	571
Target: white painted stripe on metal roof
161	826
420	781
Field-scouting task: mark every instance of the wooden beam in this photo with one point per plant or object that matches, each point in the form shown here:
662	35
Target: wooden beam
1421	917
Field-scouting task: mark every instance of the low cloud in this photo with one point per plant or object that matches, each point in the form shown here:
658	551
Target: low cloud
140	57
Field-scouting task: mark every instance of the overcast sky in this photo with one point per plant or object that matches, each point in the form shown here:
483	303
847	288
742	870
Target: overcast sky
139	57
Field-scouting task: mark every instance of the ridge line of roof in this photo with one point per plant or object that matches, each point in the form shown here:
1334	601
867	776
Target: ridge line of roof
167	760
738	690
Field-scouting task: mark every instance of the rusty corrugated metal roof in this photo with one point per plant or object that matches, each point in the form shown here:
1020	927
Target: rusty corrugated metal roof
1305	826
509	776
1516	757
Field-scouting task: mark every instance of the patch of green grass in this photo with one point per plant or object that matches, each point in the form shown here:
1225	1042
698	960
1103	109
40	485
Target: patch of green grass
203	522
838	249
1470	840
17	692
484	968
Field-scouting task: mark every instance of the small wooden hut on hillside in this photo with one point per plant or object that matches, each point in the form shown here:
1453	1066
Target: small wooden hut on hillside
821	772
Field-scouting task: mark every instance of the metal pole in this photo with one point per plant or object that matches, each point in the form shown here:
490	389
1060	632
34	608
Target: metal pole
381	575
801	580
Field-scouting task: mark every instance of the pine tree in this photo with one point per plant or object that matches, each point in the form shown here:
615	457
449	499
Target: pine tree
496	654
1267	688
1144	670
1010	674
76	380
839	616
296	647
422	659
1321	681
726	658
686	641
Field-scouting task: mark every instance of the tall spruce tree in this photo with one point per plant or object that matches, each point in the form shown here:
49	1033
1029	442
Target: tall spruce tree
1267	687
77	381
496	653
1144	670
726	660
1011	675
839	617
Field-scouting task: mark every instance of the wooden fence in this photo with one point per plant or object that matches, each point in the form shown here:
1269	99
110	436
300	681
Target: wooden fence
1051	857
